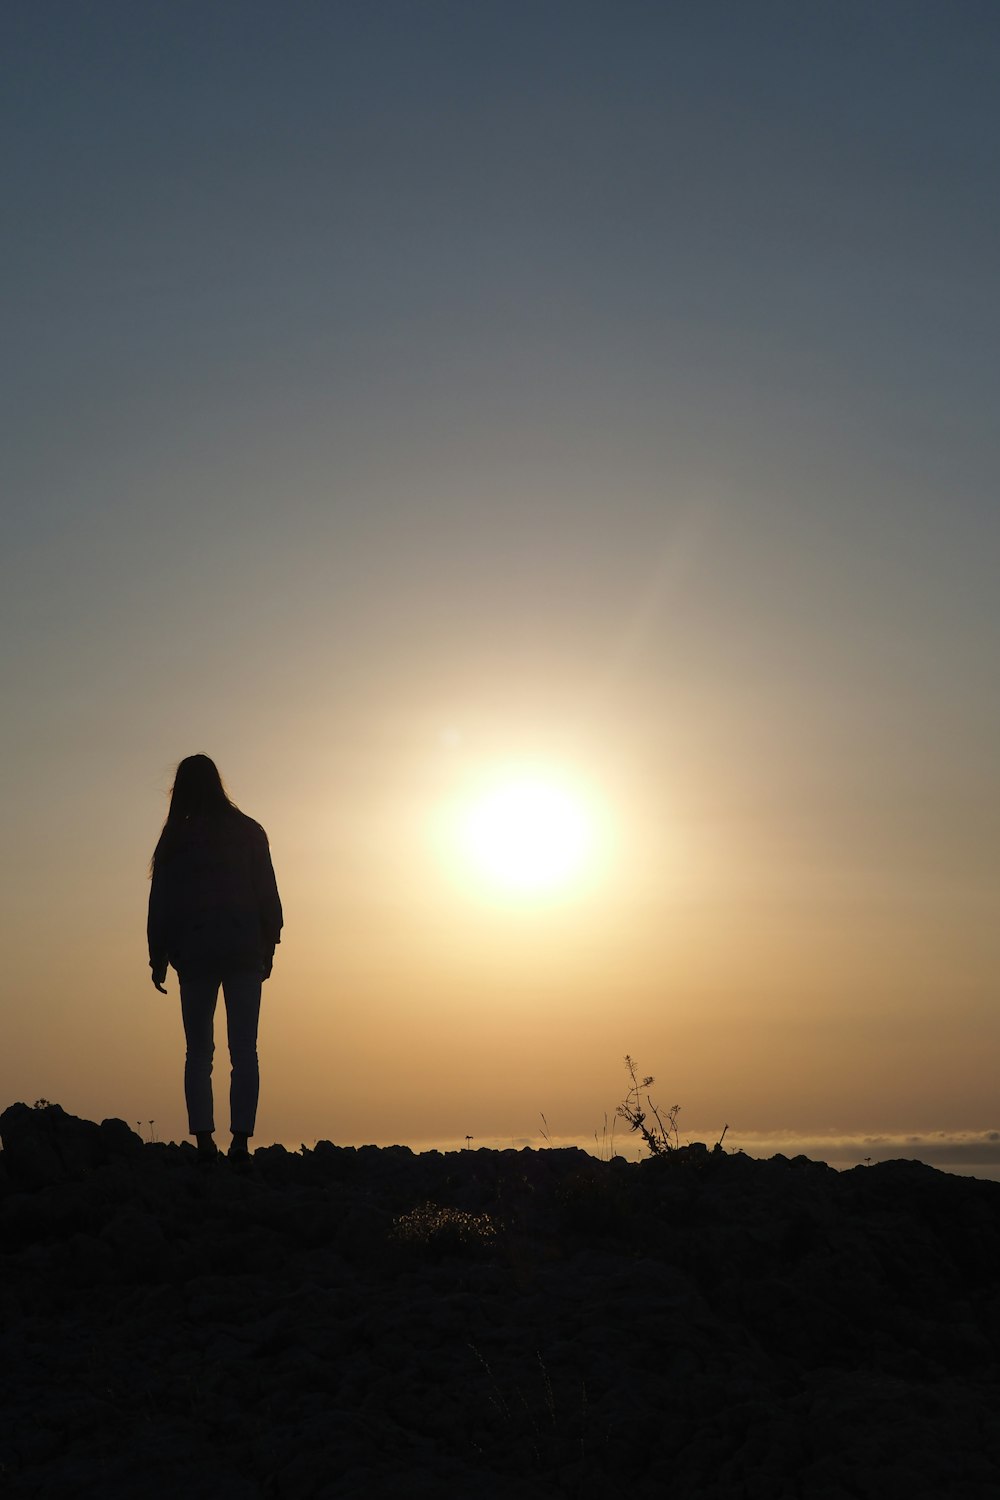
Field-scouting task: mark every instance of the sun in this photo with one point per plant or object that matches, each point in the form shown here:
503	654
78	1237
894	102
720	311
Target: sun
528	835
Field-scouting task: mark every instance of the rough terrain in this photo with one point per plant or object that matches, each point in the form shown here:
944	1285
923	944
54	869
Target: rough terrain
370	1322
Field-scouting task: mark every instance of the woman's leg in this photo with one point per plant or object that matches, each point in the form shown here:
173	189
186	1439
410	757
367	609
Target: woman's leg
198	1000
242	992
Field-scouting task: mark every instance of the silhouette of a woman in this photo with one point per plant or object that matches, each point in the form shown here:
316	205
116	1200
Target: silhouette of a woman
215	915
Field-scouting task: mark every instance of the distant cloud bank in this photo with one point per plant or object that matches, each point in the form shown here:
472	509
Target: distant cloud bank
974	1152
959	1150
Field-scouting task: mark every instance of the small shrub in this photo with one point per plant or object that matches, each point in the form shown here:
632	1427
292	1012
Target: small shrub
443	1231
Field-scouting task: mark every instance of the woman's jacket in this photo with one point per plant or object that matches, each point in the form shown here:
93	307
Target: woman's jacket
214	908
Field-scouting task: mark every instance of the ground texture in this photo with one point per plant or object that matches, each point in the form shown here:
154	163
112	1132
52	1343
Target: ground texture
483	1324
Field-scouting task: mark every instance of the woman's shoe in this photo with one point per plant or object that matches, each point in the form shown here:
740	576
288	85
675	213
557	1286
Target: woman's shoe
208	1151
239	1147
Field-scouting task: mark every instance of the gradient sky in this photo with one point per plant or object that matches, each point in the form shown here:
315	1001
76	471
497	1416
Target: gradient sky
398	391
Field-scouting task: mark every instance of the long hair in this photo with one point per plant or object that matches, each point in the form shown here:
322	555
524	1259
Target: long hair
197	792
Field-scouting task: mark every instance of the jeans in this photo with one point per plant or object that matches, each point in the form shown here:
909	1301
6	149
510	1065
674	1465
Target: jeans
198	1001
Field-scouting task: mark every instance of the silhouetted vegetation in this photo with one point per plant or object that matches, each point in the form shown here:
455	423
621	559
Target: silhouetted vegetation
660	1137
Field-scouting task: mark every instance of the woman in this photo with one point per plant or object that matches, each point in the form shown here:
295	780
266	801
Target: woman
215	915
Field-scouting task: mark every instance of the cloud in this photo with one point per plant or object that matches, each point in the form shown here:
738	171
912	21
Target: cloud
948	1150
960	1149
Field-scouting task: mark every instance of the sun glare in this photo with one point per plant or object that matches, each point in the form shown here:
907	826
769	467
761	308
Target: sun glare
528	835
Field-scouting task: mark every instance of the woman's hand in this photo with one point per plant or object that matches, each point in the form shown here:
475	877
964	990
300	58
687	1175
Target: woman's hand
159	975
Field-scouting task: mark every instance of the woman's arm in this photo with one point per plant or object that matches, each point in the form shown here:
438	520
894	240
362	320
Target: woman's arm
156	927
269	913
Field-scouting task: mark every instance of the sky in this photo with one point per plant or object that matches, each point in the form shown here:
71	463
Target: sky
403	400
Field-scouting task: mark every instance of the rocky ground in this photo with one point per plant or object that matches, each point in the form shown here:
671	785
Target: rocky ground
344	1322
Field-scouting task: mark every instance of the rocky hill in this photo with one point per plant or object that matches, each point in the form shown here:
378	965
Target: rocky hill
348	1323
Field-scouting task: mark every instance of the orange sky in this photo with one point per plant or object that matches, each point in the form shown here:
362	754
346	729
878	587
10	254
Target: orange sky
406	394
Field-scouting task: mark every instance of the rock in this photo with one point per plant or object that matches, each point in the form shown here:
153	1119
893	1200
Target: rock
537	1323
44	1145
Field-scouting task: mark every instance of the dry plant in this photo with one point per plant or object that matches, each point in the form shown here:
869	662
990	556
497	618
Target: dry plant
605	1142
660	1137
542	1433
